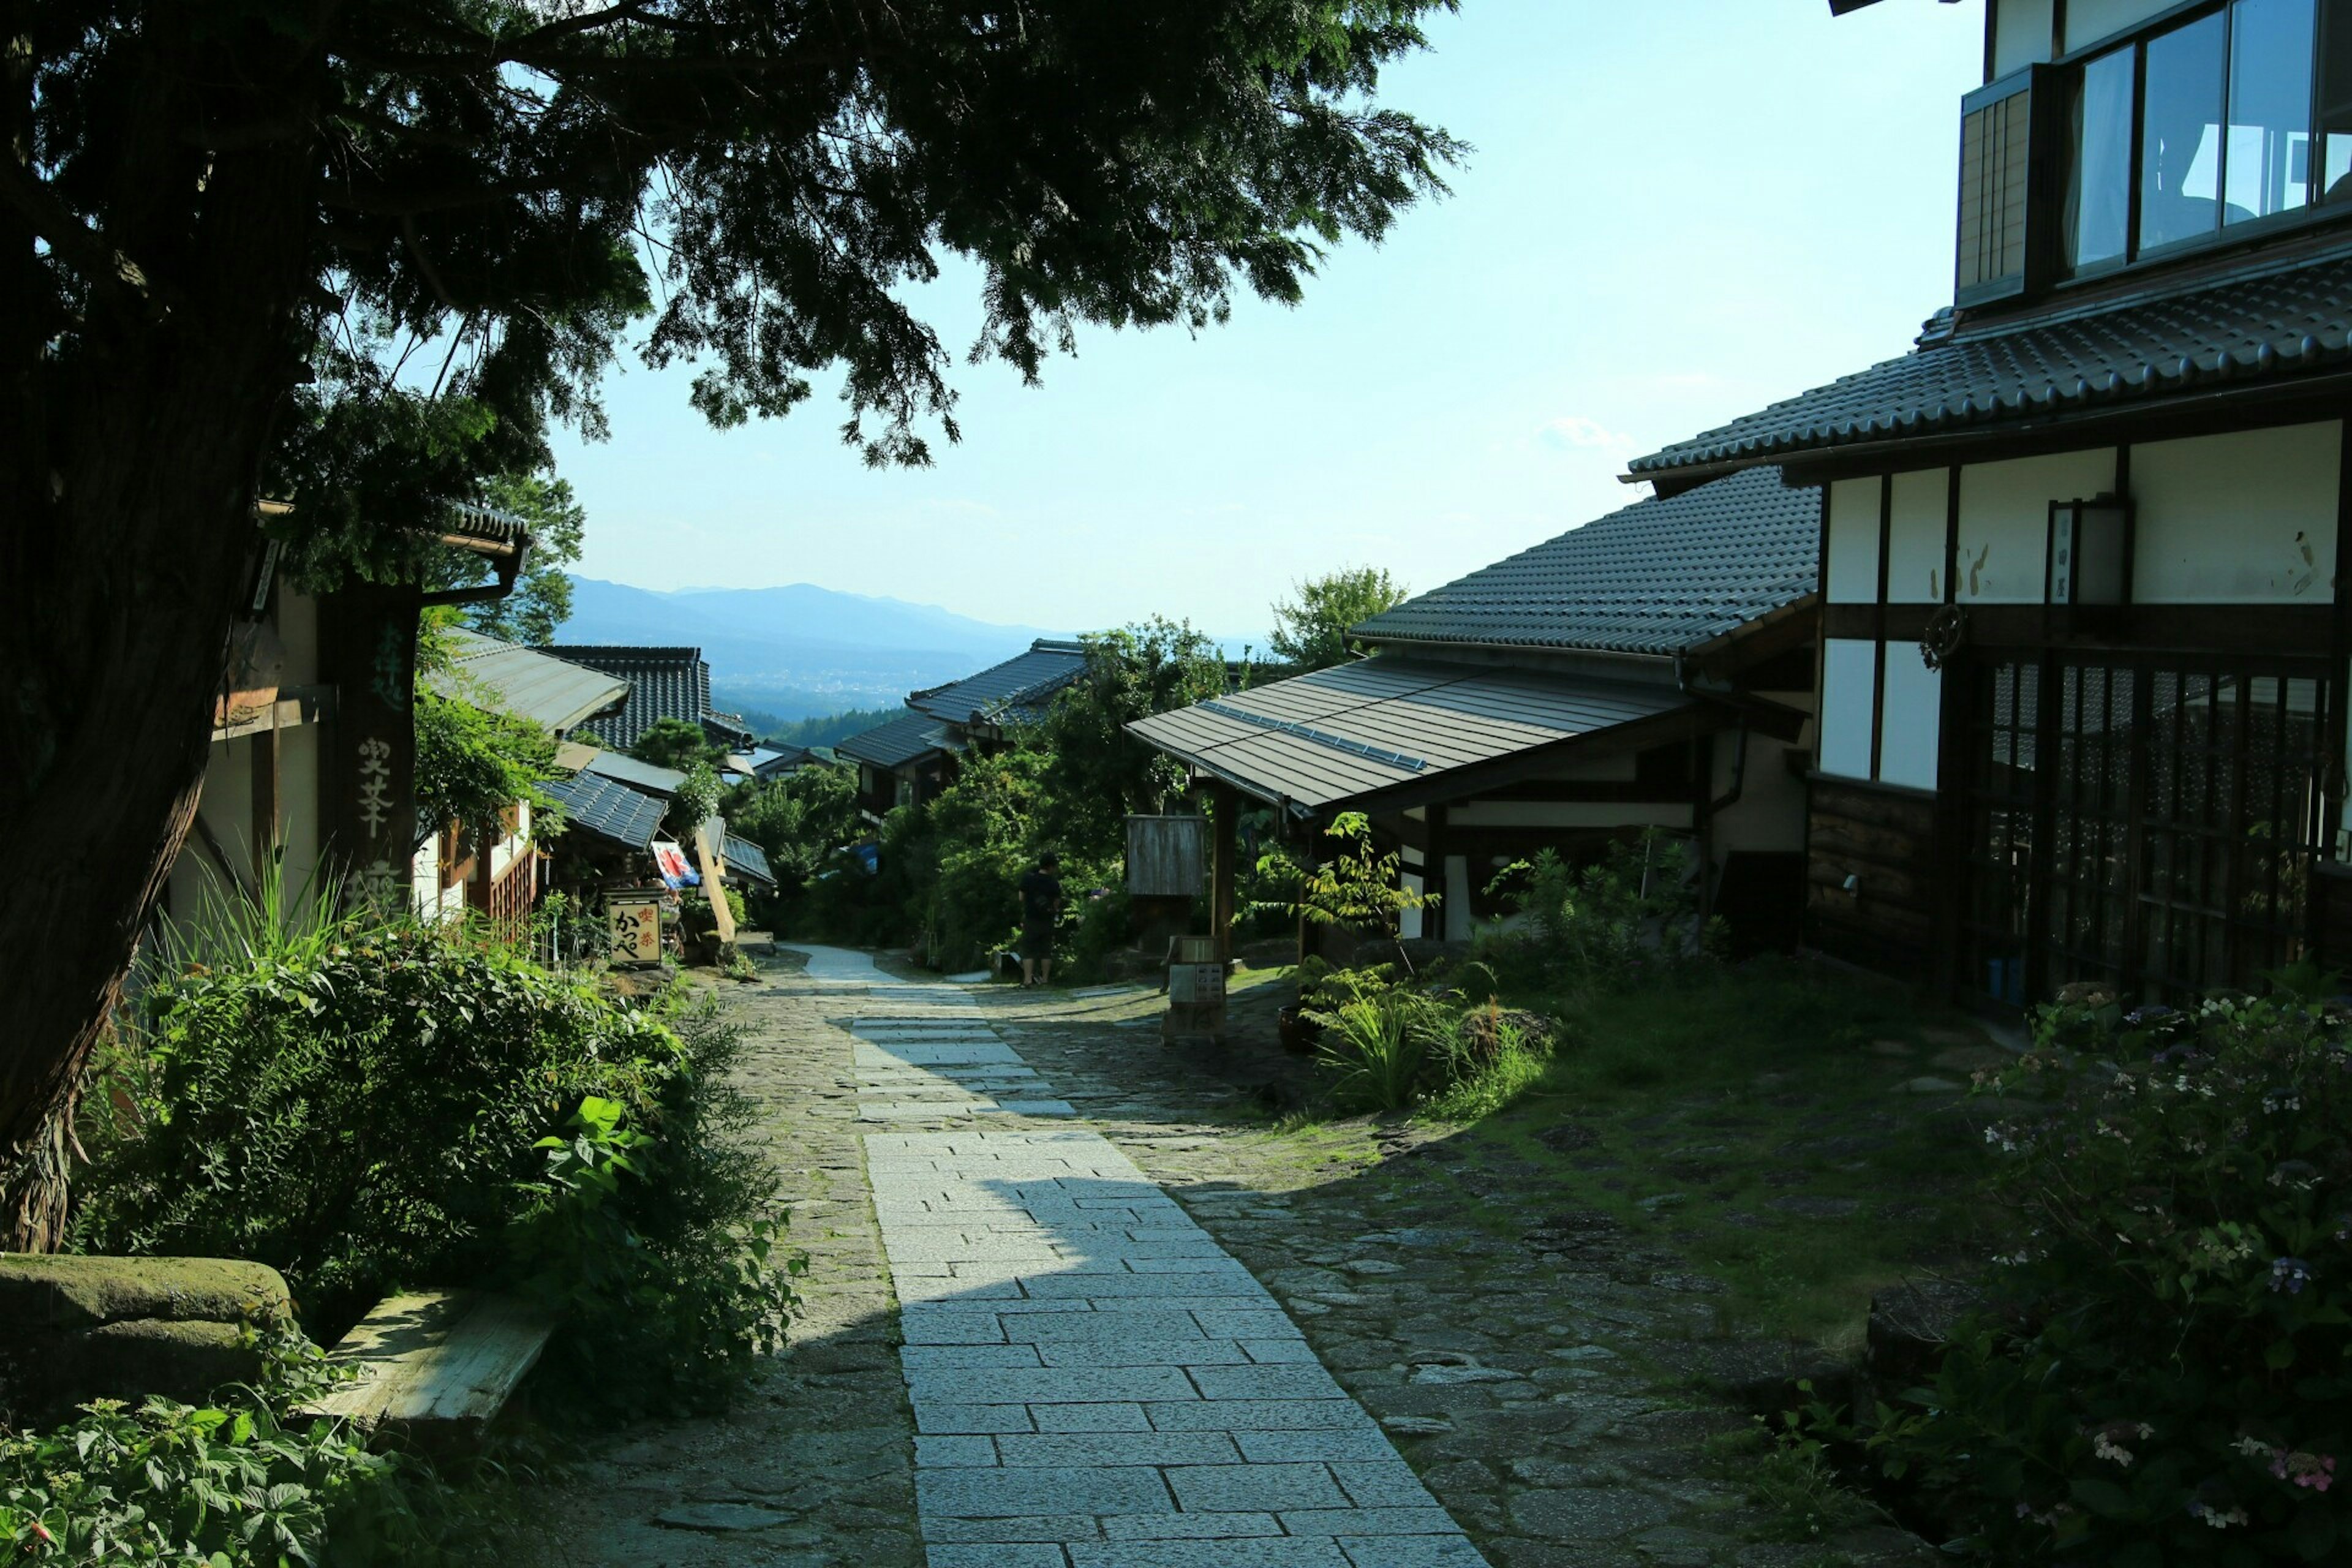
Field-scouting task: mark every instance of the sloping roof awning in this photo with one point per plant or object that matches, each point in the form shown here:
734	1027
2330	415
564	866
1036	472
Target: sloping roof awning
747	860
1395	732
2074	364
1656	577
553	693
899	743
1018	689
608	808
637	775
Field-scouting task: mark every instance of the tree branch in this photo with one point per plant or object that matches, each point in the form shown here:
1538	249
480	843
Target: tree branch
81	247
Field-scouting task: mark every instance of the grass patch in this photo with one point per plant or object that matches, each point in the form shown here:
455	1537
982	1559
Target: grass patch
1753	1119
1801	1499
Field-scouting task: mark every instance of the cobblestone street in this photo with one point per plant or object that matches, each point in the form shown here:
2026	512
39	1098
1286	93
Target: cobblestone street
1078	1301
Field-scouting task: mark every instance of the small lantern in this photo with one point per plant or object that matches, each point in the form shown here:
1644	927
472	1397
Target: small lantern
2090	551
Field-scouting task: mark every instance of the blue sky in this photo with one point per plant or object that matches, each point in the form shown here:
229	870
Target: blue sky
1676	211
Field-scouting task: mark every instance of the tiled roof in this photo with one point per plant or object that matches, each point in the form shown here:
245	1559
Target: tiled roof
1341	735
1656	577
663	683
637	775
2291	321
768	761
897	742
555	694
746	859
608	808
1016	692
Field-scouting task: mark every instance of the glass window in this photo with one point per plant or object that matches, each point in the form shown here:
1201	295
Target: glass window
2336	100
2180	134
2098	185
2267	158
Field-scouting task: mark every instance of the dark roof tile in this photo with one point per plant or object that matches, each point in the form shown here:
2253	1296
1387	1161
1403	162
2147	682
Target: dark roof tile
1016	692
2290	321
1654	578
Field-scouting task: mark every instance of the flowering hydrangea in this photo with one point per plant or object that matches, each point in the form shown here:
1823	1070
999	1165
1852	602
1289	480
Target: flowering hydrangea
2289	1275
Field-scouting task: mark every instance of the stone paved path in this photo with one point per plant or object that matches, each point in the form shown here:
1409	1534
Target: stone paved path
1097	1384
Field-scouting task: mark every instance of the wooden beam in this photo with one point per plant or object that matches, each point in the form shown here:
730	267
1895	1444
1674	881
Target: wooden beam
1224	854
264	794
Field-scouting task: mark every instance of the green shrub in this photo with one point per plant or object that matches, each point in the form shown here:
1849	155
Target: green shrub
1628	918
360	1108
240	1482
1098	926
2168	1376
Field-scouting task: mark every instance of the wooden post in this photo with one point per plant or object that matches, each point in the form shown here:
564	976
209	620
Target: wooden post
1224	826
264	794
1434	880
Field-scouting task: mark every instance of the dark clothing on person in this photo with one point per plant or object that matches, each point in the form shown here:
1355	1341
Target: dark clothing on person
1041	902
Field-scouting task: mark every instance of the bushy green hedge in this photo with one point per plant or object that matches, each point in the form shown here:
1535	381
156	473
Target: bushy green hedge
2167	1375
240	1482
364	1108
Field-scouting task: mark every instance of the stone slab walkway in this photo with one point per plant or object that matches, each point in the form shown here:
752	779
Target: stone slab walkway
1096	1383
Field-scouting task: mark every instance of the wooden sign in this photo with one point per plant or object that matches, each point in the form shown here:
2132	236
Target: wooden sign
634	924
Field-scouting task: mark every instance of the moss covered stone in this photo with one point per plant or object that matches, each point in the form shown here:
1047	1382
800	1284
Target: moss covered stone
41	1294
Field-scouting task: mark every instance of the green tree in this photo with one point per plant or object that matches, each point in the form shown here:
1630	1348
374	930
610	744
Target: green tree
542	601
1098	772
358	254
798	820
676	744
1310	631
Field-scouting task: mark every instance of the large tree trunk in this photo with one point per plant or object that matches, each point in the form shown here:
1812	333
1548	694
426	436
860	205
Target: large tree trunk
134	437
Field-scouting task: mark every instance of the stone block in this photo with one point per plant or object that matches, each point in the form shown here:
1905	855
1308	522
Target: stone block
1241	1488
1007	1493
53	1293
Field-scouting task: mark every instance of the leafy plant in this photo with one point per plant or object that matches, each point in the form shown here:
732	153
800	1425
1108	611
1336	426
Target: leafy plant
240	1482
1310	629
1628	916
359	1107
1357	887
2166	1373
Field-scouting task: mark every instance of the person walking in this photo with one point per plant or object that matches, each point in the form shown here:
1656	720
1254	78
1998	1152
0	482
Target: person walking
1041	906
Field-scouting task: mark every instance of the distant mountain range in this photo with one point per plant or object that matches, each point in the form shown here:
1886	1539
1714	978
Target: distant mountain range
798	651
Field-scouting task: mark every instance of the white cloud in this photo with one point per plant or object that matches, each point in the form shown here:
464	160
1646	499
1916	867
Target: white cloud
1574	432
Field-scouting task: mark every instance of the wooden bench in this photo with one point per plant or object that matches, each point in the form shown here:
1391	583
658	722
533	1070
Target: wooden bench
436	1363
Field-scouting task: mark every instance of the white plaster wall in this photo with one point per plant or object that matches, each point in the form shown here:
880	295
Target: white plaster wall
2021	34
1408	923
1849	683
1853	523
1570	813
2088	21
1455	909
2246	518
299	796
1769	815
2004	533
1915	537
1914	697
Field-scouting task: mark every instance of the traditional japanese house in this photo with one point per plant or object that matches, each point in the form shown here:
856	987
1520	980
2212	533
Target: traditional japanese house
903	762
983	709
1650	669
2081	678
312	746
456	868
663	683
911	759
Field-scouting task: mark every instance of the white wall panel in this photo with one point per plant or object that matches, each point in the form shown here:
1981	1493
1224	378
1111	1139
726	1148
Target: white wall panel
2246	518
1849	696
1915	537
2020	34
1770	814
2004	538
1914	698
1852	523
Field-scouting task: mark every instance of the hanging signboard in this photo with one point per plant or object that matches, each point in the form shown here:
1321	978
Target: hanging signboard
633	921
